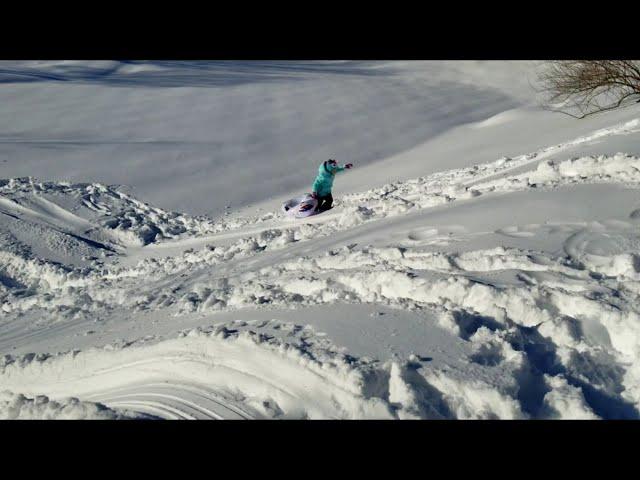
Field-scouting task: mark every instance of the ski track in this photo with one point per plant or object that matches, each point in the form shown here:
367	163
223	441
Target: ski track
551	333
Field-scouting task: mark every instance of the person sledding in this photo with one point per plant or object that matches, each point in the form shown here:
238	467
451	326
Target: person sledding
321	189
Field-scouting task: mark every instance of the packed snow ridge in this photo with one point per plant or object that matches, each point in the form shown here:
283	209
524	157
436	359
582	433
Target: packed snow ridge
98	215
531	291
18	407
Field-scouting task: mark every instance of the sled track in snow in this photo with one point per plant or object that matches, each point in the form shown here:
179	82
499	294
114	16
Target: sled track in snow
172	401
224	374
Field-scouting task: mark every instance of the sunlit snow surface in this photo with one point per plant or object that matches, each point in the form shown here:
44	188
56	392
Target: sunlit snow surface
482	259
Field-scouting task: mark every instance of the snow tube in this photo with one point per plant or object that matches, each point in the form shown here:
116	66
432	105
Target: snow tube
299	207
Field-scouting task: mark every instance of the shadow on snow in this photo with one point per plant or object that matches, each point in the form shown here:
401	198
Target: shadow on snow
167	73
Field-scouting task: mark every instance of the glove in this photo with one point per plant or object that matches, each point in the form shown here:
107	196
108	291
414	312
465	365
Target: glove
348	165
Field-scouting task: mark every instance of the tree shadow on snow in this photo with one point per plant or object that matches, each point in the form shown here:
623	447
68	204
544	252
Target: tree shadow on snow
166	73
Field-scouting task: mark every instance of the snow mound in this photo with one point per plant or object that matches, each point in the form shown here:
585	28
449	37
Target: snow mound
15	406
566	401
258	369
241	374
102	212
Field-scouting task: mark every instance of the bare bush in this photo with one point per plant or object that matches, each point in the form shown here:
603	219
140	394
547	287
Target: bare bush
583	87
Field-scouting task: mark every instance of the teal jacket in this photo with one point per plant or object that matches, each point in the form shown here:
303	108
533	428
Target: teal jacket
324	181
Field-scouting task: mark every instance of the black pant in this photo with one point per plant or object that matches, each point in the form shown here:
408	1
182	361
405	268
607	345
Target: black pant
324	203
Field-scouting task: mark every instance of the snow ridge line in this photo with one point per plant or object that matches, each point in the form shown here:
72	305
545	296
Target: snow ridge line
115	215
105	283
15	406
308	378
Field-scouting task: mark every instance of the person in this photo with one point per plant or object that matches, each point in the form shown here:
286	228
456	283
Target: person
321	189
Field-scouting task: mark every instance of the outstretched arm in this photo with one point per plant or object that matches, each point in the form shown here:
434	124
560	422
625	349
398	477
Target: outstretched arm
347	166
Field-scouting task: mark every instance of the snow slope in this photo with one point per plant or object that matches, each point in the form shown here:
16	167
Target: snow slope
194	136
491	270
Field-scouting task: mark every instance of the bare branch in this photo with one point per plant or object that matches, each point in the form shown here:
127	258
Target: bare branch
580	88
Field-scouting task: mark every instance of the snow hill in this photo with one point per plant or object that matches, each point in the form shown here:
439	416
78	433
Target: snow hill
482	259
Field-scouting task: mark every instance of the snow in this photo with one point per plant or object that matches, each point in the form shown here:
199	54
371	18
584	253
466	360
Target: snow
482	259
18	407
566	401
195	136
